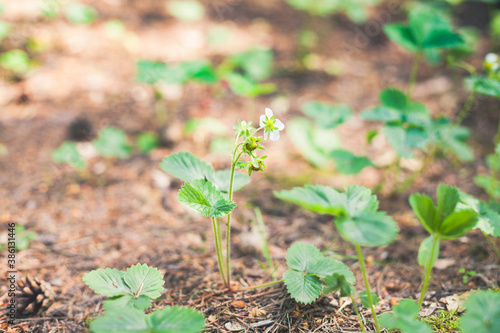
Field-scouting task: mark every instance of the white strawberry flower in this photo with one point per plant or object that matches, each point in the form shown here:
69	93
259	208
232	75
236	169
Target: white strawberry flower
271	125
491	62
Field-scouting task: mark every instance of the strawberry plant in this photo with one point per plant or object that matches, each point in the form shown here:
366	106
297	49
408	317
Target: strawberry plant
357	220
130	293
209	192
442	221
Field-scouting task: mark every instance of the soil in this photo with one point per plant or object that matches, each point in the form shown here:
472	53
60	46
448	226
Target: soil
121	212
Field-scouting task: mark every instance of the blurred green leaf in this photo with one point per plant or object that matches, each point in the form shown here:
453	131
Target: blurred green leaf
349	164
4	29
16	60
112	142
257	64
482	313
186	10
67	153
147	141
404	317
242	86
327	115
78	13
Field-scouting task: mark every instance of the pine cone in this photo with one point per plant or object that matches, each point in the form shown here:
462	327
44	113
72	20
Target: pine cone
32	296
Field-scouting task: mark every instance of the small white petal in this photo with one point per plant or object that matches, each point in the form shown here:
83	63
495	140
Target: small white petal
495	67
275	135
265	135
269	112
262	120
279	124
491	58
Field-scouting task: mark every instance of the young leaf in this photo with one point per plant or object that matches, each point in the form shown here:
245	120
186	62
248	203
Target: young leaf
404	318
393	98
367	229
328	266
68	153
147	141
447	199
202	197
482	312
327	115
336	282
187	167
424	208
302	287
402	35
363	296
168	320
144	280
349	164
112	142
424	252
302	256
458	223
128	320
319	199
107	282
117	303
488	220
176	319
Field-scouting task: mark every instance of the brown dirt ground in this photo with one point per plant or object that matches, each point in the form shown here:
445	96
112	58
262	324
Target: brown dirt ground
129	213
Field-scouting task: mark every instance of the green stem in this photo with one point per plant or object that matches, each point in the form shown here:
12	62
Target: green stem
263	285
428	271
218	248
357	314
265	246
367	286
397	172
494	166
465	110
413	74
493	245
228	225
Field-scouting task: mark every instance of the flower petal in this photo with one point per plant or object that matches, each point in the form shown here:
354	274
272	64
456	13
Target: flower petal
262	120
265	135
269	112
275	135
279	124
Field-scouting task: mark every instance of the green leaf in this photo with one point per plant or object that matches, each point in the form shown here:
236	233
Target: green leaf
402	35
319	199
78	13
363	296
488	220
484	86
144	280
4	29
381	113
431	29
424	252
302	256
68	153
128	320
175	320
404	318
168	320
222	180
327	115
424	208
147	142
200	70
107	282
328	266
360	199
202	197
302	287
393	98
257	64
150	72
458	223
242	86
315	143
16	60
349	164
367	229
450	138
186	10
403	140
447	199
482	313
187	167
442	39
116	303
112	142
336	282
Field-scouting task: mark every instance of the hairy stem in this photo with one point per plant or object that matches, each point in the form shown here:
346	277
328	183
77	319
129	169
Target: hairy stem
465	110
493	245
218	248
428	270
357	314
228	225
367	286
413	74
263	285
